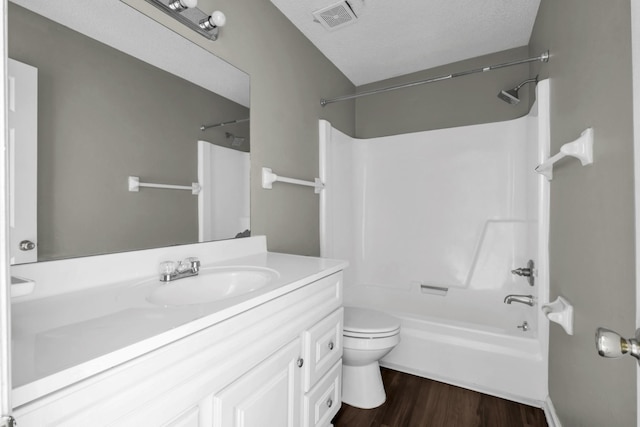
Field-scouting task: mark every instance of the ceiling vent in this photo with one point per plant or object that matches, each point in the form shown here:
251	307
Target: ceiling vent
336	16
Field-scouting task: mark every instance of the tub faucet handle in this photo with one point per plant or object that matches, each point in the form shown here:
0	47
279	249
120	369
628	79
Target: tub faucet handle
528	272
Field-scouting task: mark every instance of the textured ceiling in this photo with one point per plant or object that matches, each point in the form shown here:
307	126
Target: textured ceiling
393	38
122	27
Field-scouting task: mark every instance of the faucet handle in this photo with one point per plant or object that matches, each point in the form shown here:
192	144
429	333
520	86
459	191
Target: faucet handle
194	262
191	263
166	270
167	267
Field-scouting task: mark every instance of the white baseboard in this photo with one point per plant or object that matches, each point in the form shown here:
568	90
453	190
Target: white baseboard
550	413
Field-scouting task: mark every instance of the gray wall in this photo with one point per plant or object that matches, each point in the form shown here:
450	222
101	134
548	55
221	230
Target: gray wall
103	116
592	208
288	78
461	101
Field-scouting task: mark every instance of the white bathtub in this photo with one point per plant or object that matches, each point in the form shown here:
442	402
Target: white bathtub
485	359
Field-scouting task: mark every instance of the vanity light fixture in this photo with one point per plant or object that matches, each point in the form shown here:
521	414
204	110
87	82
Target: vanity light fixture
187	13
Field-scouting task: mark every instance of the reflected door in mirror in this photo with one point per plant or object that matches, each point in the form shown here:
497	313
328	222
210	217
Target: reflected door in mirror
22	88
223	203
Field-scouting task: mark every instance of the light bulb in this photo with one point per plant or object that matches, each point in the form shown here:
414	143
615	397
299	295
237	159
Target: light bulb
217	19
180	5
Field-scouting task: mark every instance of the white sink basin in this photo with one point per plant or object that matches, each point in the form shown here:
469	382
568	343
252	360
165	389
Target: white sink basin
212	284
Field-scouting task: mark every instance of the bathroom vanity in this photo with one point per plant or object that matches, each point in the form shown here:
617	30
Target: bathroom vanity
95	351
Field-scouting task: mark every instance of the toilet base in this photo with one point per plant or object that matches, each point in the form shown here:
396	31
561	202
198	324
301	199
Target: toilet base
362	386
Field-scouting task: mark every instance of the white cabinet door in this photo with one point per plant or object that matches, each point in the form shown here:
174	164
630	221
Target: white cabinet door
192	417
267	396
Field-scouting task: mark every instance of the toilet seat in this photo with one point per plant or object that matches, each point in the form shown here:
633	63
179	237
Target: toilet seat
368	335
364	323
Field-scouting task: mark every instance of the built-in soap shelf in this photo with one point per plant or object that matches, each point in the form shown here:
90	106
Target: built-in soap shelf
21	286
268	178
581	149
560	311
134	184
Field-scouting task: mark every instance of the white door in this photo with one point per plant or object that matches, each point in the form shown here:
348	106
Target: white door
267	396
22	103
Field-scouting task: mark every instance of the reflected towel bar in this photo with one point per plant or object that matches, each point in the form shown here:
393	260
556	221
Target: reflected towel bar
268	178
581	149
135	184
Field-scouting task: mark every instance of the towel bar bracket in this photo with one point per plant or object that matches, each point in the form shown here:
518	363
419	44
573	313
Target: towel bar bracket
268	178
581	149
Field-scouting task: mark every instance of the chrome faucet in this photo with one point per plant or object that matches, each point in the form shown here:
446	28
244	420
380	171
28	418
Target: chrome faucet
522	299
170	270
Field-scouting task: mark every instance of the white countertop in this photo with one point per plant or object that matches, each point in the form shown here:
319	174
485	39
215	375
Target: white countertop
60	339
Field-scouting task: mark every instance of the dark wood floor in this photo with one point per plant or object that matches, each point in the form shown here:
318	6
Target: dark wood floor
418	402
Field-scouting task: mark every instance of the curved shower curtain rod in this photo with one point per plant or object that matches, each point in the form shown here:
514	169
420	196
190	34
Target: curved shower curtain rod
542	58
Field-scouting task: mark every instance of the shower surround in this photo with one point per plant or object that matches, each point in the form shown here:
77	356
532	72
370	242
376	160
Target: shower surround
432	224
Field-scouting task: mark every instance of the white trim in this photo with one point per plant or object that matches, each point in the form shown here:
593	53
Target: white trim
324	129
5	298
635	51
550	413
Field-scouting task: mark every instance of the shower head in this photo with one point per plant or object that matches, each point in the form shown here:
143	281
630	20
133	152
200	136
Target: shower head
235	141
511	96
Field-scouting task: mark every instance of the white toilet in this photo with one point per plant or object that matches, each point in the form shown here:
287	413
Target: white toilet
368	336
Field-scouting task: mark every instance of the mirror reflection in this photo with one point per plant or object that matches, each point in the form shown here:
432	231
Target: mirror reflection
84	116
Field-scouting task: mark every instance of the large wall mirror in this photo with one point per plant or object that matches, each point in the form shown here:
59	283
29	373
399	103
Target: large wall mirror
120	95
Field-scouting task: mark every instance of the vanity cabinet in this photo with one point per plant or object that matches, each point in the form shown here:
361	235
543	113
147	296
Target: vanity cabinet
270	391
277	364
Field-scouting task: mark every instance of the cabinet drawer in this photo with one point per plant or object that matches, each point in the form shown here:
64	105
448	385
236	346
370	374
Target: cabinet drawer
322	347
322	403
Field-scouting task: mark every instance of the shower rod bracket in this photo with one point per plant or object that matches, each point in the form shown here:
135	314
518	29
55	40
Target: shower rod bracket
544	57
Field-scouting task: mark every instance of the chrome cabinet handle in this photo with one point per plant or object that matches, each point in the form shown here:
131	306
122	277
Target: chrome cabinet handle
27	245
611	345
300	362
329	402
330	345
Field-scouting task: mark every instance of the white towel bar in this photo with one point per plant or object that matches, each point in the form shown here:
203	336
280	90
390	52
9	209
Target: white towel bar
268	178
581	149
135	184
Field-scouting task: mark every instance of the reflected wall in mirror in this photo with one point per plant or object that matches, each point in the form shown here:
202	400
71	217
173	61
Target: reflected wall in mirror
104	115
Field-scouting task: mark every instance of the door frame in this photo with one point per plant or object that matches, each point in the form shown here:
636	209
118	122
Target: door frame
5	290
635	54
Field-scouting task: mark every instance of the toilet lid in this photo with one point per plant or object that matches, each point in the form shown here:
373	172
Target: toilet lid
365	321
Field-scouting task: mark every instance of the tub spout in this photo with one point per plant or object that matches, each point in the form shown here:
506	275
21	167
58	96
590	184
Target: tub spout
522	299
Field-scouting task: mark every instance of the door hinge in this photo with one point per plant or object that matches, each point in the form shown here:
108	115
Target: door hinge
8	421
